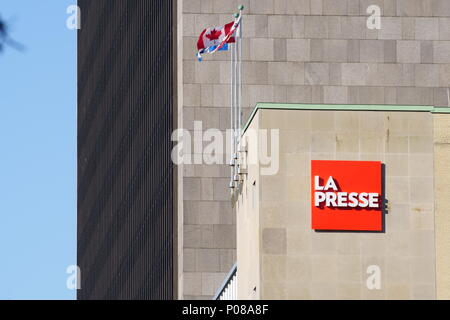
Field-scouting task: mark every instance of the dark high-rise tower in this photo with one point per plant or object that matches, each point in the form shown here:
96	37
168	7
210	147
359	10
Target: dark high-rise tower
126	179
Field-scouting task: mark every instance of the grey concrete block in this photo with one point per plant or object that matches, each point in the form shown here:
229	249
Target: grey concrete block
207	189
391	28
414	8
256	26
298	49
209	71
299	94
390	8
203	21
408	51
353	7
391	75
254	72
189	25
192	283
353	27
317	94
335	7
221	191
210	282
298	27
229	7
390	51
317	73
316	54
279	93
335	95
334	27
415	96
335	74
426	52
227	259
189	260
261	49
224	236
207	7
189	71
426	29
355	74
286	73
280	6
299	7
280	26
191	6
210	116
207	260
367	95
444	28
316	27
188	118
261	6
441	8
364	4
390	95
335	50
189	48
191	95
440	97
317	7
257	93
441	52
353	95
444	75
353	51
408	28
427	75
280	50
406	8
206	95
372	51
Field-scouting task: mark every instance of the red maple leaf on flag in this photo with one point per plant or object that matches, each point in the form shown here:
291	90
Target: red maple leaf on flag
214	34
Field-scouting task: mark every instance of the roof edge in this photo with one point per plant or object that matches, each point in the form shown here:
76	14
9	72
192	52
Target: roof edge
343	107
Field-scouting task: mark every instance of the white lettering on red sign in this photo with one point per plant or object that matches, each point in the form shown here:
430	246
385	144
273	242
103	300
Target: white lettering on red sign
329	196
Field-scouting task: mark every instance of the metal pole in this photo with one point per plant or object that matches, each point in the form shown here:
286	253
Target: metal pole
240	73
233	117
235	65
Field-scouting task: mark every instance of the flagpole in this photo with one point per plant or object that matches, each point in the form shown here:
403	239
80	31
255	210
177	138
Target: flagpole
236	110
241	8
232	112
236	99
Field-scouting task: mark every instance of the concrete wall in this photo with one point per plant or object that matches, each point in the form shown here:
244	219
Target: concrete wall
300	263
442	203
298	51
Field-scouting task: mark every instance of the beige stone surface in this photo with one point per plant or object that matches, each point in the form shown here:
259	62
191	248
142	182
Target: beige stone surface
442	203
309	51
296	262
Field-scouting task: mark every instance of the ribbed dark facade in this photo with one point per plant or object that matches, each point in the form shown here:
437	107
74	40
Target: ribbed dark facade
126	179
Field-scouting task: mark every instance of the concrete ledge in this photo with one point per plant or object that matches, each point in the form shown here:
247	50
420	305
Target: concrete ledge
343	107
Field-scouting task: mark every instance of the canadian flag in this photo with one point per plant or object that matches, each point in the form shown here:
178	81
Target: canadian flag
214	36
217	38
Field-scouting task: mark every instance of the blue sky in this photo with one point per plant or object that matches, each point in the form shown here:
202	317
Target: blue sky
37	152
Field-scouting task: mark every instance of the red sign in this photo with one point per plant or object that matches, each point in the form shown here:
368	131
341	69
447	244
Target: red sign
346	195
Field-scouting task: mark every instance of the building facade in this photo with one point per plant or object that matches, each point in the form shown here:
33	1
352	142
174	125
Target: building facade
139	79
126	180
285	252
301	52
